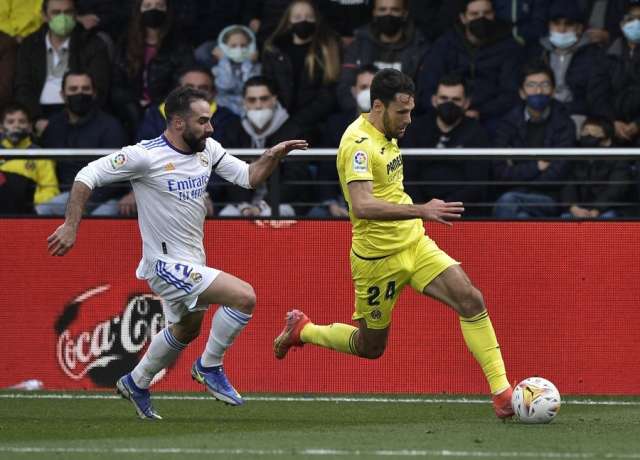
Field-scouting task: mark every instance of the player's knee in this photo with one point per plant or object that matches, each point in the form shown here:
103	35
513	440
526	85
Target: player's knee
247	299
471	302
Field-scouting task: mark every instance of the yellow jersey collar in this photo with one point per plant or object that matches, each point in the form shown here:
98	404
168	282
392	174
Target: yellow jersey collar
23	144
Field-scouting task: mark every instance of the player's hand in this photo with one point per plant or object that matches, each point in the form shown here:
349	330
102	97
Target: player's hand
442	211
283	148
62	240
127	205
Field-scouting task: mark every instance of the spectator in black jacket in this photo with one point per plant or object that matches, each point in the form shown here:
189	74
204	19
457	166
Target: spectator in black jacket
44	57
528	17
266	122
602	19
482	51
580	67
264	16
8	48
147	60
81	125
624	55
390	40
346	17
539	122
598	200
302	57
448	127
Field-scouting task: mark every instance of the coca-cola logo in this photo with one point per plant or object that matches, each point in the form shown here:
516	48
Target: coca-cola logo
105	350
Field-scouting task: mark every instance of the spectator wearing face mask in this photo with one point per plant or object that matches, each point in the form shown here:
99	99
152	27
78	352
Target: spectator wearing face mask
596	201
81	125
579	66
23	182
624	56
302	57
539	122
237	57
44	57
329	196
265	123
147	59
482	51
390	40
446	127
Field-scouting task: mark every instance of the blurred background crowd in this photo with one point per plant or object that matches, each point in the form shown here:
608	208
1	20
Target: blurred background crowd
93	74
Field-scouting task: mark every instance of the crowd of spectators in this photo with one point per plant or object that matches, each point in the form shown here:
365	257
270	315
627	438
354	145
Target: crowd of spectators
489	73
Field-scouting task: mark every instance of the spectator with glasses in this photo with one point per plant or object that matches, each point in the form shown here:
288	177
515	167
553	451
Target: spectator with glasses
540	122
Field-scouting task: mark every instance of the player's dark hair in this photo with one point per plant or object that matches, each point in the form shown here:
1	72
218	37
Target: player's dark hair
604	123
179	101
259	81
453	79
75	73
14	107
389	82
535	67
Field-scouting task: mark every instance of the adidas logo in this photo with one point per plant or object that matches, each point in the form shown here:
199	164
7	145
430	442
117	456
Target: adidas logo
169	167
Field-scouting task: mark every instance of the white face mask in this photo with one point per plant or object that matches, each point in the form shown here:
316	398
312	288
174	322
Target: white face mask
563	40
237	54
364	100
259	118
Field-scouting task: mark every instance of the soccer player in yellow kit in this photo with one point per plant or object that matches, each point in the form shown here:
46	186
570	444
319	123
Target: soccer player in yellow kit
390	249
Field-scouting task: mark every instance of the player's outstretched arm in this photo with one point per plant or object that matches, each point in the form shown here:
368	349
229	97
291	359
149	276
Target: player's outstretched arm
261	169
366	206
63	239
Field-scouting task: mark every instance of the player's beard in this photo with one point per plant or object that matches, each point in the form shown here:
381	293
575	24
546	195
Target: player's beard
196	144
389	131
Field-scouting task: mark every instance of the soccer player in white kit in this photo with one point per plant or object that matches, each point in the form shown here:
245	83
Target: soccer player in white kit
169	175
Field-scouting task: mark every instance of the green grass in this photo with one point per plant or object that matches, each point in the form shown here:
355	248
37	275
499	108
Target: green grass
267	429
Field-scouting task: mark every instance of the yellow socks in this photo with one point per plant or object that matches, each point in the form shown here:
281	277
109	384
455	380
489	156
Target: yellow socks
336	336
481	340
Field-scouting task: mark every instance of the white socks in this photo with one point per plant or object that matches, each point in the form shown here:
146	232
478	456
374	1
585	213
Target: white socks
162	352
225	326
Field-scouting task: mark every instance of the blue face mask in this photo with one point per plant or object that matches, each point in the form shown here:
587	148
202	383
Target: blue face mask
563	40
631	30
538	102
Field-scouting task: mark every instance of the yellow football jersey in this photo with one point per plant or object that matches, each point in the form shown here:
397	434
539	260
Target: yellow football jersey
365	154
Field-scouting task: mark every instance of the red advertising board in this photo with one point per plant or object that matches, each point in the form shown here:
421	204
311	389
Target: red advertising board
564	298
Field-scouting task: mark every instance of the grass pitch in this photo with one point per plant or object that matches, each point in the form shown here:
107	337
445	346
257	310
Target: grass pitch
100	426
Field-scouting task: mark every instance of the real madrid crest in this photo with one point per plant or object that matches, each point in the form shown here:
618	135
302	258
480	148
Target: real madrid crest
204	160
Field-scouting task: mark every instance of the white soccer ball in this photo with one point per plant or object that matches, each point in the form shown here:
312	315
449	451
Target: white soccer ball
535	400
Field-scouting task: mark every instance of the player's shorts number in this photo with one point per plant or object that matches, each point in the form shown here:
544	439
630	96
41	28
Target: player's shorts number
374	293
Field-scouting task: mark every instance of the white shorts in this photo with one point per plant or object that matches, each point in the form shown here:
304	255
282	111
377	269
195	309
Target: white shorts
179	284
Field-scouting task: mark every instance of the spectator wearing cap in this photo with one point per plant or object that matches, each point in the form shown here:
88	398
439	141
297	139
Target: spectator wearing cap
538	122
579	66
624	55
389	40
597	200
482	51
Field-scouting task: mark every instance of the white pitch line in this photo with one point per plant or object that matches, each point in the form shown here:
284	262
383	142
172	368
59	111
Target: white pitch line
319	452
332	399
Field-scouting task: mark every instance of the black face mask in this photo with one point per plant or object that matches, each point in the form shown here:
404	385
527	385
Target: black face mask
482	28
80	104
450	113
154	19
590	142
16	136
388	24
303	29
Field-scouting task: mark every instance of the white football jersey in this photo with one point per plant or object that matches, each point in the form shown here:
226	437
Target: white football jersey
169	187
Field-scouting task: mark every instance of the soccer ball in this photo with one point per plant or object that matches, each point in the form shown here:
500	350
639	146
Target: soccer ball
535	400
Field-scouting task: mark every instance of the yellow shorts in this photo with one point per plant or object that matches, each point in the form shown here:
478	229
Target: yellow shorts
378	282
